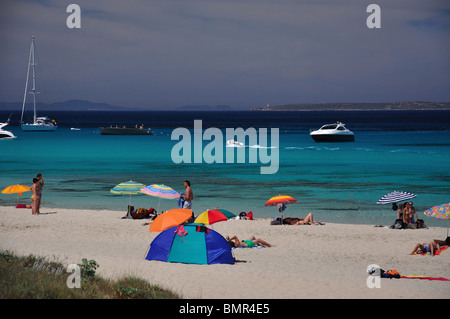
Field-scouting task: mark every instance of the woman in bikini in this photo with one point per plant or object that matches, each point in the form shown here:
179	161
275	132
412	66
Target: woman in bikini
36	197
250	243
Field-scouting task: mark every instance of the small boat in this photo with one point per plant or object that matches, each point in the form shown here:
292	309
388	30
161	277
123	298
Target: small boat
4	134
40	124
124	131
333	133
75	129
234	143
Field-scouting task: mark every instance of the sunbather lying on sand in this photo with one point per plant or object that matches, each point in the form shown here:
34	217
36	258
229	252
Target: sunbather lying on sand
250	243
308	220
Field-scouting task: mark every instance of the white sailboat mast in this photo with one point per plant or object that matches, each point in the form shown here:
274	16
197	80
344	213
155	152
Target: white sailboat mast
32	63
33	91
26	82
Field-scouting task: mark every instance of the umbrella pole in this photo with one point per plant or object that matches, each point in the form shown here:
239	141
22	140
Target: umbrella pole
448	225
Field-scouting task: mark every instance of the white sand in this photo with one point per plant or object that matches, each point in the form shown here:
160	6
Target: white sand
328	261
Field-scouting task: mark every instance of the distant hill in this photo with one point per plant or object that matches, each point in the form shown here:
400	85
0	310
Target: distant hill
204	108
70	105
415	105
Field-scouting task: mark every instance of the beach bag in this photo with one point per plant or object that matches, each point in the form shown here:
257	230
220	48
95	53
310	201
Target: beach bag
420	223
398	224
390	274
276	221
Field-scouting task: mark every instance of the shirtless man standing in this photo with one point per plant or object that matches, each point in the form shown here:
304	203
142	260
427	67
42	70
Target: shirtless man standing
188	196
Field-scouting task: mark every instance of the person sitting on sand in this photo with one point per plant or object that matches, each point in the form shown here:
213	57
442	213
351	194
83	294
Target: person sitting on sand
308	220
400	211
445	242
250	243
431	247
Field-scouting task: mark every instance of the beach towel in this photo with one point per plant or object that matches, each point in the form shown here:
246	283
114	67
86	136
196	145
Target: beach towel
247	247
425	277
429	253
181	201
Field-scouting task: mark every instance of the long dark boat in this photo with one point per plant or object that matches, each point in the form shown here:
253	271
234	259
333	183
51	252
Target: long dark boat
124	131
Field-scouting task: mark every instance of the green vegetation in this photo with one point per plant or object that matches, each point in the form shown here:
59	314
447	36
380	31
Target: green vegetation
33	277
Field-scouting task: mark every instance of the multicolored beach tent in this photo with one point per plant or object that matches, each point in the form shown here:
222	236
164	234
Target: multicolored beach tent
190	244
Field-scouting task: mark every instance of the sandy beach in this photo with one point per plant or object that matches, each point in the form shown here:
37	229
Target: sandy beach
323	261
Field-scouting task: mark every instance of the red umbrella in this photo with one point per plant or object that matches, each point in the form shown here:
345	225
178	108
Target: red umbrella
213	216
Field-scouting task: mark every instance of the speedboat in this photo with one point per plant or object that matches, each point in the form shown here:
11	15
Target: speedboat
333	133
234	143
5	134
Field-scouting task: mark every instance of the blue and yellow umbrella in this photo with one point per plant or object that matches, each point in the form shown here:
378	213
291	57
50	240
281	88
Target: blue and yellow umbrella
127	188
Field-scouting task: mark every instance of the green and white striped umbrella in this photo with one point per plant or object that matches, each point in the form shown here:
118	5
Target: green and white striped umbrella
128	188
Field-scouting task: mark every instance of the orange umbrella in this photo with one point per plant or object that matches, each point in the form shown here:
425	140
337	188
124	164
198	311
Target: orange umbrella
16	189
281	199
173	217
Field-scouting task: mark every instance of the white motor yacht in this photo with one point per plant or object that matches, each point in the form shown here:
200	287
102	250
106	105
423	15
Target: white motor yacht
333	133
4	134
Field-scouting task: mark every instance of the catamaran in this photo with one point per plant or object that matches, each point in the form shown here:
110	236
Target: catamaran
42	123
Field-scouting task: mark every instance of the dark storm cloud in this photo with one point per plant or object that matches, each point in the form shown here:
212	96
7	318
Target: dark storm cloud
158	54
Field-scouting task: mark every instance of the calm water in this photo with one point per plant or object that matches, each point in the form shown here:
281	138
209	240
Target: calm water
338	182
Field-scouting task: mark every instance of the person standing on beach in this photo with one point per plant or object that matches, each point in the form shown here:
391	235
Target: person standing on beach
188	196
36	197
41	186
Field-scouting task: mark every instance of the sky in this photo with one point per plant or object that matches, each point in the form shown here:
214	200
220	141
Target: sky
163	54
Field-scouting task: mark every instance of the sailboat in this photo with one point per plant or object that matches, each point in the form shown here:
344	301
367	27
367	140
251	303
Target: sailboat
39	124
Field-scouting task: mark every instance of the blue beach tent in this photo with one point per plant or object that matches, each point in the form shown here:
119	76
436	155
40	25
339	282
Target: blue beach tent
190	244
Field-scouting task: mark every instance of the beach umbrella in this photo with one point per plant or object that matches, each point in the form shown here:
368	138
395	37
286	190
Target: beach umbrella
212	216
170	218
395	197
440	212
226	213
161	191
127	188
280	200
16	189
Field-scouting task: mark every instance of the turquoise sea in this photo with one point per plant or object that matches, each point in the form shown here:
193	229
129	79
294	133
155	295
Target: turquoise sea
337	182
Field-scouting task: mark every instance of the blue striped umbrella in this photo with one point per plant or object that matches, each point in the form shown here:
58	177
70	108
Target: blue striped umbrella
161	191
